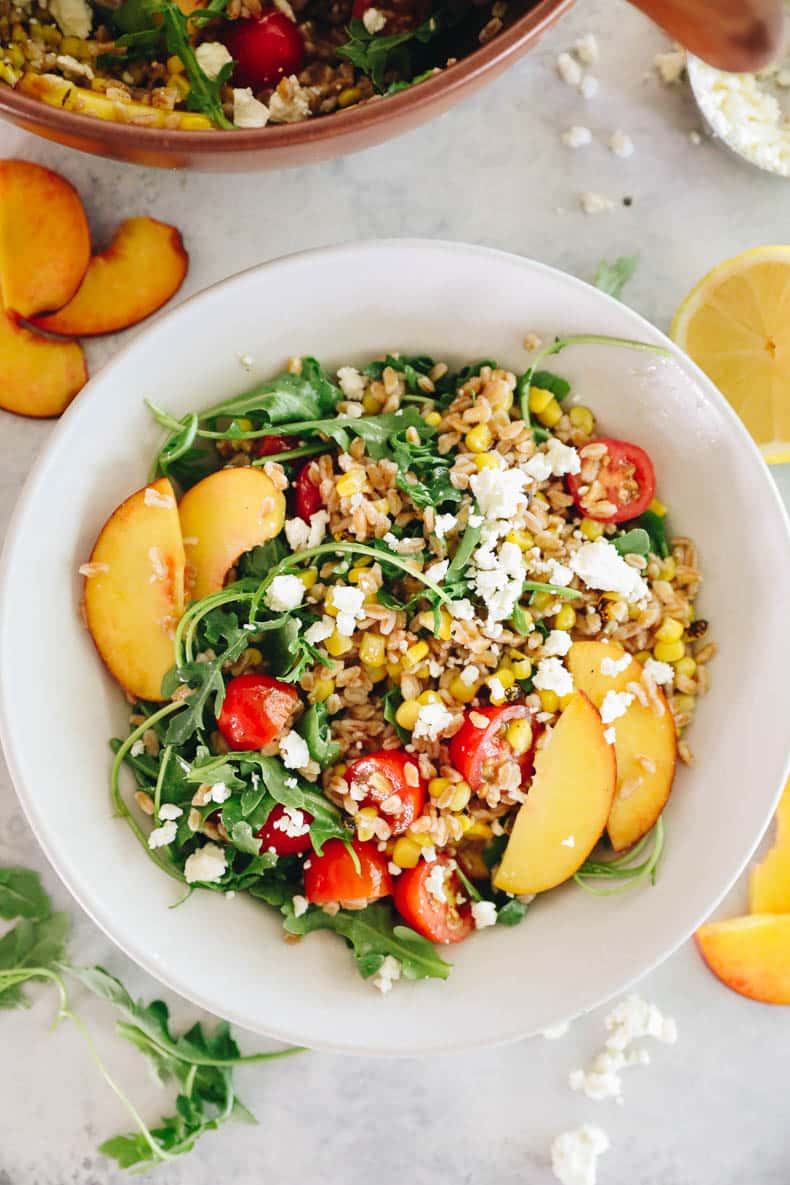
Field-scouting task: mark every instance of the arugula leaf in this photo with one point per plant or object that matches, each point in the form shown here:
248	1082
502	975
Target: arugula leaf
30	949
204	94
633	542
394	88
315	728
657	529
288	652
469	541
289	790
373	934
22	895
558	590
391	701
376	55
260	561
423	474
306	396
205	677
512	912
547	381
611	278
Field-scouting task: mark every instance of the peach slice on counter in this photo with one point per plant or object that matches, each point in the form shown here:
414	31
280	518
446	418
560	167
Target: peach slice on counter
134	589
45	245
769	882
567	805
224	515
645	741
38	377
57	92
751	955
142	268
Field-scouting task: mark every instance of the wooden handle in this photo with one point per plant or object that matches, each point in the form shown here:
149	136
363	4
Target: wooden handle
737	35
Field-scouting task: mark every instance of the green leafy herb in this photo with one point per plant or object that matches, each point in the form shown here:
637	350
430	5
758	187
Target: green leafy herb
204	93
395	87
289	790
557	590
375	55
546	381
657	529
205	677
622	868
32	949
492	853
423	473
520	623
633	542
457	568
315	728
512	912
391	701
611	278
288	652
21	895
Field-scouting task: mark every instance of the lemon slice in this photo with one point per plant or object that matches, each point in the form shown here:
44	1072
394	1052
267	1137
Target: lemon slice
736	326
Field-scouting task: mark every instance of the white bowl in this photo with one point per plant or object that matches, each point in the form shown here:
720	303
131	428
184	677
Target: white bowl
348	304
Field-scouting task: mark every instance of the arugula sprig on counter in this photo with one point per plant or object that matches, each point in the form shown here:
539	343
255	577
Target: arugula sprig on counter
612	278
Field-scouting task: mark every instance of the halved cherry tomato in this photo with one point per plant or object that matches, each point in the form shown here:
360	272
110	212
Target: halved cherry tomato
628	479
308	495
359	8
333	877
275	832
264	48
477	751
266	446
255	710
385	774
421	907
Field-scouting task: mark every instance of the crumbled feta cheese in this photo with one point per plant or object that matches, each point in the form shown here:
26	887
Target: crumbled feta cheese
428	853
387	974
562	457
615	704
160	837
212	56
498	575
373	20
300	904
247	362
319	631
568	69
557	643
437	571
74	17
284	593
630	1020
352	383
169	810
301	535
248	112
434	883
444	524
586	49
290	102
499	492
615	666
219	793
461	610
73	69
609	735
574	1155
552	676
568	842
152	497
349	603
538	467
670	65
600	565
469	675
137	749
292	823
432	721
588	87
595	203
576	137
497	688
558	573
554	1032
621	144
294	751
207	865
484	914
657	672
695	138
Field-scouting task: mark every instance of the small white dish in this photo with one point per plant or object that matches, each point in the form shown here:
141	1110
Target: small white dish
746	113
58	707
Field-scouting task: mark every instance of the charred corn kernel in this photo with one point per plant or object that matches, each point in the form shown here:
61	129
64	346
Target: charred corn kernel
551	414
582	417
522	539
372	649
437	786
407	713
489	461
539	497
565	618
658	508
686	666
308	577
394	670
669	568
539	399
478	439
415	654
370	404
406	853
479	830
349	96
519	736
433	419
180	84
522	668
499	683
463	693
174	64
542	600
549	700
375	673
670	630
322	689
591	529
668	651
461	796
428	697
685	703
351	483
338	644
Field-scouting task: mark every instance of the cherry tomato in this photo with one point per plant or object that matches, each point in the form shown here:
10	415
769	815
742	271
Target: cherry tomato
477	751
255	710
275	832
266	446
265	49
628	479
420	905
308	495
385	774
333	877
359	8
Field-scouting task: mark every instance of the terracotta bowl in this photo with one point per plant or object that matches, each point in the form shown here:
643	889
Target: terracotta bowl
289	144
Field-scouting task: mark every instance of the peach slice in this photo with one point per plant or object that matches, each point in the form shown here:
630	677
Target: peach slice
57	92
142	268
567	805
134	589
38	377
645	741
769	882
45	244
224	515
751	955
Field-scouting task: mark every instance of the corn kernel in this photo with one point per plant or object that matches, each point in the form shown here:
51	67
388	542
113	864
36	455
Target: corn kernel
349	96
658	508
375	674
519	736
437	787
522	668
643	656
478	439
685	703
670	630
542	600
591	529
461	796
504	677
338	644
354	574
394	670
582	417
421	838
522	539
174	64
372	649
540	497
565	618
668	569
428	697
479	830
415	654
463	693
15	56
253	656
407	713
406	853
181	84
551	415
308	577
686	666
370	404
489	461
433	419
549	700
19	34
364	822
466	825
668	651
73	46
351	483
539	399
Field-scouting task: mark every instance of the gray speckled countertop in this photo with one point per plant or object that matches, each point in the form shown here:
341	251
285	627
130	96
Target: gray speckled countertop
709	1111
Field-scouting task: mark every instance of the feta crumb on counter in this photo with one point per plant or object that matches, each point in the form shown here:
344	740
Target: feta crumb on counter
630	1020
586	49
670	65
212	56
568	69
574	1154
484	914
595	203
248	112
576	137
284	593
621	144
207	864
588	87
387	974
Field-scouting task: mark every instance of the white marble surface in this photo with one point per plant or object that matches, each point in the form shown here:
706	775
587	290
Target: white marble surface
711	1110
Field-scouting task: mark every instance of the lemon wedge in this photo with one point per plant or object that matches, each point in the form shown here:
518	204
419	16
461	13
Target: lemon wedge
736	326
